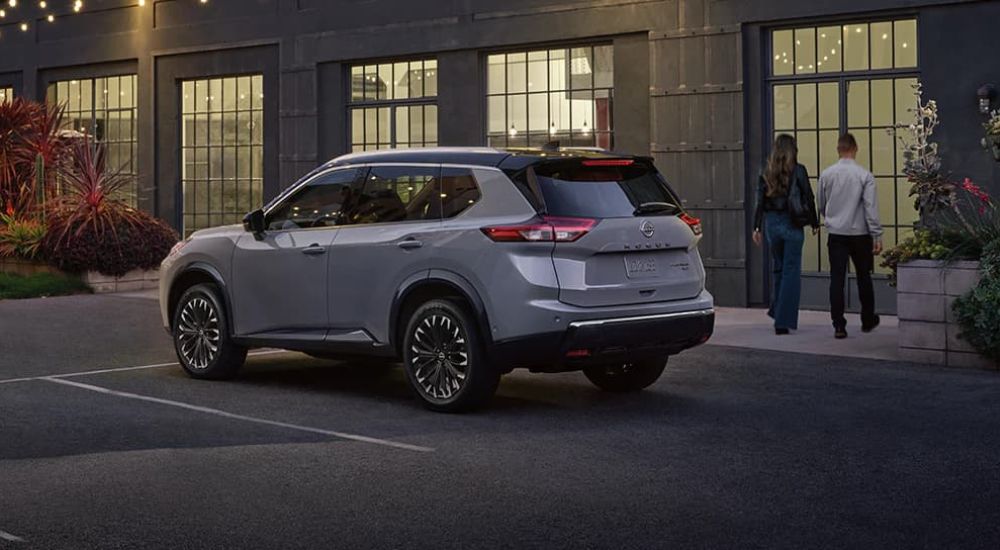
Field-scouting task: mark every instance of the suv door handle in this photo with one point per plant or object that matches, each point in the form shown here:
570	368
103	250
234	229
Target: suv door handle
410	244
314	250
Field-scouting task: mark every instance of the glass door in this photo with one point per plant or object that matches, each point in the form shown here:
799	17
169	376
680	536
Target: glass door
858	78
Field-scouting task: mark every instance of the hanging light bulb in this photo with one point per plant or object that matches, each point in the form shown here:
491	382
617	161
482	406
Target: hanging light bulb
43	4
12	3
513	131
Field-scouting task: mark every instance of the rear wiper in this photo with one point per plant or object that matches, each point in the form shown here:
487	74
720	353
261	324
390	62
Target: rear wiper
656	208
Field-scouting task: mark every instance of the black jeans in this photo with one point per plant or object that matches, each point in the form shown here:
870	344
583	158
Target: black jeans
859	249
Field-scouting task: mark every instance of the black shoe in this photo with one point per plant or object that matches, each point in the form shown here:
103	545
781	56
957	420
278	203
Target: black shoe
840	334
781	331
871	327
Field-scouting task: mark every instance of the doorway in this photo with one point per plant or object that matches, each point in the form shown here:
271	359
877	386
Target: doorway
856	78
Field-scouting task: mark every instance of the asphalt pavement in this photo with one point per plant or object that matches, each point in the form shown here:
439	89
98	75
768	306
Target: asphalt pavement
733	448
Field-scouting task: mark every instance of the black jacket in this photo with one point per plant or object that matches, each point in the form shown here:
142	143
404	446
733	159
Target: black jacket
802	197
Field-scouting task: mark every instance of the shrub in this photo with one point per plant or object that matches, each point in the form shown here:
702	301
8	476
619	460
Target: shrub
923	245
91	228
139	244
978	312
21	238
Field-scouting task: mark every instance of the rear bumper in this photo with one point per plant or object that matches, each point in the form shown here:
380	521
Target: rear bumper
604	341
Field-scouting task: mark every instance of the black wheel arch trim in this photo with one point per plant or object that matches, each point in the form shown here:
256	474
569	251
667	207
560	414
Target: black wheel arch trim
456	282
214	274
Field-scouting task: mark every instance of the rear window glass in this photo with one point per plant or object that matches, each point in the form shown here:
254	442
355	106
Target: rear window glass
575	190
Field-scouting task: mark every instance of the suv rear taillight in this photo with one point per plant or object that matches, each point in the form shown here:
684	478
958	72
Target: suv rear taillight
692	222
549	229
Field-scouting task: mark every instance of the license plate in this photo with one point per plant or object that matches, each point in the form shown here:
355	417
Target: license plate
640	267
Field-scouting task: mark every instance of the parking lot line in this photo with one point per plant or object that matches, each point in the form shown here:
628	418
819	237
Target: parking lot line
120	369
9	537
234	416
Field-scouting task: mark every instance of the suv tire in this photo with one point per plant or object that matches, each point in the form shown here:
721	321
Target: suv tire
444	358
626	377
201	336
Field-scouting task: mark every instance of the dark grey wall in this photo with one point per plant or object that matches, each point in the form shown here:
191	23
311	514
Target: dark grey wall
688	79
953	66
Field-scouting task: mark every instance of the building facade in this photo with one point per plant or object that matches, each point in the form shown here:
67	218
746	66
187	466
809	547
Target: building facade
216	105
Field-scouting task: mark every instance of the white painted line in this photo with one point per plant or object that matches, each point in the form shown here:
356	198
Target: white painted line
121	369
234	416
9	537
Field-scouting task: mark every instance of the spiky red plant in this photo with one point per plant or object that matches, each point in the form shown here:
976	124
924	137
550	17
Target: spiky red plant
28	130
91	200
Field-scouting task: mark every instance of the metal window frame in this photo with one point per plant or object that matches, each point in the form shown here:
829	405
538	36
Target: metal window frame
506	94
393	105
210	147
52	88
843	78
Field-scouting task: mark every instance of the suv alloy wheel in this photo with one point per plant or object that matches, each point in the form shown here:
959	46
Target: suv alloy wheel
444	358
201	336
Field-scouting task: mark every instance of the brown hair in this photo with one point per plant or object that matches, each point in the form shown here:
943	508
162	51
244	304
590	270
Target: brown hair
846	143
781	165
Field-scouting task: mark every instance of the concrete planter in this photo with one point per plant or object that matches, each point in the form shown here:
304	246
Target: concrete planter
928	332
25	268
132	281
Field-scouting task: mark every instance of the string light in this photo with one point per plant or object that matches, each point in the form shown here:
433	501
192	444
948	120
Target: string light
77	6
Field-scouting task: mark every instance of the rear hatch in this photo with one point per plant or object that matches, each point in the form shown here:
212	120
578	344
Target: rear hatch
641	246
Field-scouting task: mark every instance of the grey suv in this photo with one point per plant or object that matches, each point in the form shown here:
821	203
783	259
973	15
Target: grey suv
463	263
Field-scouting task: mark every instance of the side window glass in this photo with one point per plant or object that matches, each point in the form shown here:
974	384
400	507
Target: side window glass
459	191
320	203
398	194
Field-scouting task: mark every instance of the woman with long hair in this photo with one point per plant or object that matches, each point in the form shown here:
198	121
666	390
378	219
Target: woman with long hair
785	204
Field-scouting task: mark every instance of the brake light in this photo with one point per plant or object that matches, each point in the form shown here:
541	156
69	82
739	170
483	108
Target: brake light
692	222
549	229
609	162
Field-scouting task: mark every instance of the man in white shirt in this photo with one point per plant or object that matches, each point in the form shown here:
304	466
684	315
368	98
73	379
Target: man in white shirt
848	201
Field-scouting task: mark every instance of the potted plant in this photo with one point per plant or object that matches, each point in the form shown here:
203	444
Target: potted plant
940	264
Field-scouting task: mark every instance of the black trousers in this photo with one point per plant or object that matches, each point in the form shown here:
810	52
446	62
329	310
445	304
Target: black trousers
857	248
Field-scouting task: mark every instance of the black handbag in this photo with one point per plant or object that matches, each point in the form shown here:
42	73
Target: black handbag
799	208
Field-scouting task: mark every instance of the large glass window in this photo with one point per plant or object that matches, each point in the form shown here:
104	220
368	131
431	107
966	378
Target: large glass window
105	108
859	78
394	105
222	150
561	94
6	94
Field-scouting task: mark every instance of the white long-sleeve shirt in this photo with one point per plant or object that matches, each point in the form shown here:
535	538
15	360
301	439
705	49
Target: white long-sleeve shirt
848	200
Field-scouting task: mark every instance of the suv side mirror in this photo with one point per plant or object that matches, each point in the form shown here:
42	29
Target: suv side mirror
254	222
